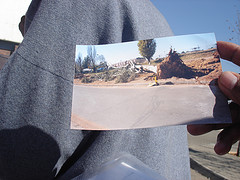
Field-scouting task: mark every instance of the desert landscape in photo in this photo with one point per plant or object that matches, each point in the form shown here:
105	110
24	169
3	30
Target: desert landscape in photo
195	67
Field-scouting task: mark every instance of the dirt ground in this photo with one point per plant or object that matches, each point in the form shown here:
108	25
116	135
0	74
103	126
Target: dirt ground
140	81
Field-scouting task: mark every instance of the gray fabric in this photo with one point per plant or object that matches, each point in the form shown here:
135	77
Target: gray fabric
36	91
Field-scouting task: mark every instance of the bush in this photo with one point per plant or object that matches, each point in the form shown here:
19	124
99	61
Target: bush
86	79
132	76
108	76
125	76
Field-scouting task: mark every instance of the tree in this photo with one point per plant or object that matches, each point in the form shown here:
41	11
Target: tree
147	48
102	63
92	56
78	64
86	62
100	58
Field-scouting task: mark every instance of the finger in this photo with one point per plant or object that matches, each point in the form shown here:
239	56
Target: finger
226	139
199	129
229	83
229	51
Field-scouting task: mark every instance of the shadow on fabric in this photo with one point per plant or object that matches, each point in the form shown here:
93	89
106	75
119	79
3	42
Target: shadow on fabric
27	153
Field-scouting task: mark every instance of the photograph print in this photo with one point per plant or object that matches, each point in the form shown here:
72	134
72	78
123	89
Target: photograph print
148	83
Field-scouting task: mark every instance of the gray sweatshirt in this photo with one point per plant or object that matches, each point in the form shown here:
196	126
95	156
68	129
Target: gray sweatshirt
36	141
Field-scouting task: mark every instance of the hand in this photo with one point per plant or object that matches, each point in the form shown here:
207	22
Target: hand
229	83
21	25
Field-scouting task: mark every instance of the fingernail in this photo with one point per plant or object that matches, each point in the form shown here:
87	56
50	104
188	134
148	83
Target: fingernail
228	80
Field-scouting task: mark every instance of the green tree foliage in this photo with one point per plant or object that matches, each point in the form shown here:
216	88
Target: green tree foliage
147	48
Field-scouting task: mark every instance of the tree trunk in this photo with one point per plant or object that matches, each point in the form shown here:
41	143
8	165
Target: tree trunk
149	61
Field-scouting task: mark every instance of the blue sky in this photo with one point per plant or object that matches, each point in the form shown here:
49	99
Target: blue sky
114	53
202	16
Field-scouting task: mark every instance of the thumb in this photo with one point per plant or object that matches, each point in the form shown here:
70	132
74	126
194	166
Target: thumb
229	83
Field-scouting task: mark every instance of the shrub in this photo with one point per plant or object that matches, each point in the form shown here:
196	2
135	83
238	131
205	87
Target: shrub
132	76
86	79
108	76
125	76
